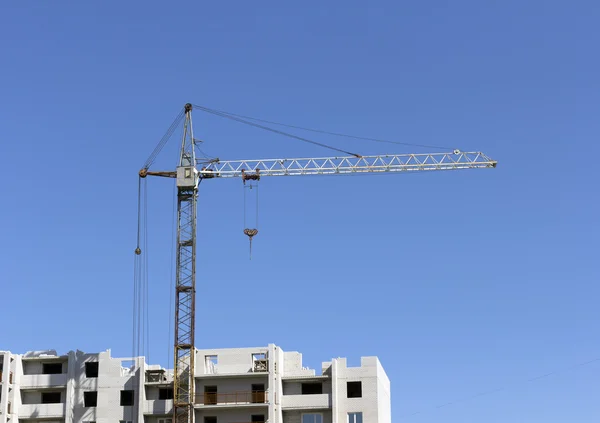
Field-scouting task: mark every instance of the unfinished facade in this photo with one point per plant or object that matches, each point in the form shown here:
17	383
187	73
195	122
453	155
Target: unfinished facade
238	385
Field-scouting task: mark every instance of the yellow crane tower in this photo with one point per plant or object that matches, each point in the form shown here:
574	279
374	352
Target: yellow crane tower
188	176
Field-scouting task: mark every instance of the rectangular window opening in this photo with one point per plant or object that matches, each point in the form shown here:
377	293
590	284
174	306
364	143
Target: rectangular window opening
127	398
52	368
355	418
50	397
257	418
212	359
210	419
354	389
90	399
260	362
91	369
165	394
312	388
312	418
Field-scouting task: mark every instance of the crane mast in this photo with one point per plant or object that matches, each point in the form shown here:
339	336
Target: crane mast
185	281
188	178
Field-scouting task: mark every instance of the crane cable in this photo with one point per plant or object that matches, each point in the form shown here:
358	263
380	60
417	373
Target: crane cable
266	128
251	232
164	139
320	131
140	318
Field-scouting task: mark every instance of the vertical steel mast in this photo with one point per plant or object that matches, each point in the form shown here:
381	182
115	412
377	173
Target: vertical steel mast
185	295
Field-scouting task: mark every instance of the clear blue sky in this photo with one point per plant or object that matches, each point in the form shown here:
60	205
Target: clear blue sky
461	282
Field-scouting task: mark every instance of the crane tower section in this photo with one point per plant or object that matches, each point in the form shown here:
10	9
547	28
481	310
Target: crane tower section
185	282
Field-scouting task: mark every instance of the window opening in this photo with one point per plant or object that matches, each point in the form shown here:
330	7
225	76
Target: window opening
354	389
90	399
165	393
312	418
127	398
91	369
52	368
50	397
312	388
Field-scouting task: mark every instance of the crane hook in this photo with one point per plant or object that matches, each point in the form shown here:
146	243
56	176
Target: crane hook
250	233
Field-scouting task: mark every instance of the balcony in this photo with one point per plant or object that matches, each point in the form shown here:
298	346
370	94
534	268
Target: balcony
306	402
43	381
40	411
158	406
232	398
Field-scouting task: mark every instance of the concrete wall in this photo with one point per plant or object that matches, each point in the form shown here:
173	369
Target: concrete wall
4	368
36	367
276	372
35	397
383	396
368	404
113	378
230	361
293	365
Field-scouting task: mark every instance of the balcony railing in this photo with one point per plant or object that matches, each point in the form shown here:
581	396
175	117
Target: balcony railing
238	397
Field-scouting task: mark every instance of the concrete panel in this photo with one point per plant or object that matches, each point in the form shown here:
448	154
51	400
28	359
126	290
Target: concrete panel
158	407
40	411
39	381
316	401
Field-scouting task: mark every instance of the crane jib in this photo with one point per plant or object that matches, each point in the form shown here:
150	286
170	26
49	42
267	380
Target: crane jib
255	169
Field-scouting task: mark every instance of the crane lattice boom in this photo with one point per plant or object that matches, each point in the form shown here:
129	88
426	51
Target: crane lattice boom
345	165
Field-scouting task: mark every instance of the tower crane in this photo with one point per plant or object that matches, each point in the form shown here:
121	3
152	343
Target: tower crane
188	177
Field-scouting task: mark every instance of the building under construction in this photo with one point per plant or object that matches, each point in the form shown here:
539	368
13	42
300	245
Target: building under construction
242	385
238	385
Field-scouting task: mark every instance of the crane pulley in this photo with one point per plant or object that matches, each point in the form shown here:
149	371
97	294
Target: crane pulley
191	171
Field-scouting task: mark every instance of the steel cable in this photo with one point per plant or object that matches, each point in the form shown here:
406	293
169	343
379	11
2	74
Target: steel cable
320	131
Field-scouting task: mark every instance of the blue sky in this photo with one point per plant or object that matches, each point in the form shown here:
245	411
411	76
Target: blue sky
461	282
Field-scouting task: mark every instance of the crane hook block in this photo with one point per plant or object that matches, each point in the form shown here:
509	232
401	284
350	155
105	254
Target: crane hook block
250	176
138	251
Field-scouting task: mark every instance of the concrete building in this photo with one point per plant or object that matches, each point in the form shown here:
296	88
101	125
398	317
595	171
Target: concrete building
238	385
